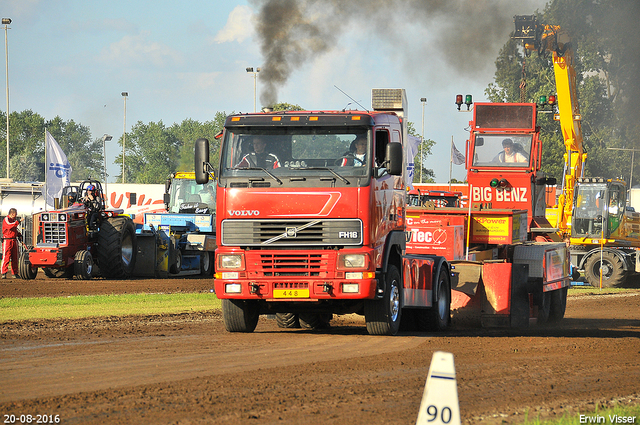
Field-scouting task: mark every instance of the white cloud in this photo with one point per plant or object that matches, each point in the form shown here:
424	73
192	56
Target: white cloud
137	49
239	26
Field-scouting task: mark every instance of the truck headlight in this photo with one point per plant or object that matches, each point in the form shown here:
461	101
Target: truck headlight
232	288
229	261
353	261
350	288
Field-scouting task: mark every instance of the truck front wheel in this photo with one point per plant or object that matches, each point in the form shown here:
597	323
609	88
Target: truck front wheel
239	315
383	315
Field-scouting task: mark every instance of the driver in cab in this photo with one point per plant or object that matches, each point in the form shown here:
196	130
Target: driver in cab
259	157
357	155
509	153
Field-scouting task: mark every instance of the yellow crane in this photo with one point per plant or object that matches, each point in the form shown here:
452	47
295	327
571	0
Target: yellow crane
591	212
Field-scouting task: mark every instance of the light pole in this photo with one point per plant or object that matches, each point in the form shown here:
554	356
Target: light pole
6	22
124	130
633	156
105	139
255	78
424	101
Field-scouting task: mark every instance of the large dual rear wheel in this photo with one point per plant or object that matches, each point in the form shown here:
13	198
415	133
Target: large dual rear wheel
117	248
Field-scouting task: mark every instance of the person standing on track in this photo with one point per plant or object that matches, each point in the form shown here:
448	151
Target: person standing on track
10	233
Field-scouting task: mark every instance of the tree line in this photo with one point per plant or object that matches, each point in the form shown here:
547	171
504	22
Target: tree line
606	59
152	151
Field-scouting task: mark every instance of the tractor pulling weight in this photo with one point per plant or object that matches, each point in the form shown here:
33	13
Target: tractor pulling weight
66	246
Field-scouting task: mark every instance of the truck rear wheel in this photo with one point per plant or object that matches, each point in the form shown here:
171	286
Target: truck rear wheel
612	270
383	316
239	315
117	247
287	320
543	301
83	265
558	305
25	271
438	317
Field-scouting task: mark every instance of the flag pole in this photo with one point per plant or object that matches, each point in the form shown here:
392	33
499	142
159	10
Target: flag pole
450	163
46	207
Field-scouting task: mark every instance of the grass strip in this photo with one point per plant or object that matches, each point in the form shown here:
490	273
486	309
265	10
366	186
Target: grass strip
104	305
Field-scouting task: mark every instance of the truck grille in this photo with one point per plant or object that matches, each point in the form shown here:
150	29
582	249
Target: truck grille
286	265
55	233
291	232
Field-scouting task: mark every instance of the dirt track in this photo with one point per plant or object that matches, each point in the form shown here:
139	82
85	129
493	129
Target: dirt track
185	369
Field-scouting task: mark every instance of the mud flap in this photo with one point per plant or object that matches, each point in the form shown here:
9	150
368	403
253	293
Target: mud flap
519	296
496	279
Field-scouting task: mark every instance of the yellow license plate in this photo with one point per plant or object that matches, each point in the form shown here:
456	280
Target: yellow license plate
290	293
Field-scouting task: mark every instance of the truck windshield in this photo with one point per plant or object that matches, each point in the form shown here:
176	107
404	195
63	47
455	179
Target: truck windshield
502	150
185	191
290	152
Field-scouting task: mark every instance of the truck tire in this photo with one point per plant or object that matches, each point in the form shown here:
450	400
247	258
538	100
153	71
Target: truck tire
83	265
383	315
543	301
206	264
25	271
558	305
314	321
612	270
239	315
438	317
117	247
177	265
287	320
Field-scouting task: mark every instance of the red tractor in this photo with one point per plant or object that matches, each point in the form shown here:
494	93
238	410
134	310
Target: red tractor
72	240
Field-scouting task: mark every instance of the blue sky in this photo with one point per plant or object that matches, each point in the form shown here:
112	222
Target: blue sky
188	59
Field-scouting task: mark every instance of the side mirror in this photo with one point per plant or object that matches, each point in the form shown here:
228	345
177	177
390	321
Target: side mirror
479	141
166	198
133	200
202	161
167	185
394	159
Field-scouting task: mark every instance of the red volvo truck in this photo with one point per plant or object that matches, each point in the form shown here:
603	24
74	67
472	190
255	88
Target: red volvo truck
311	221
510	268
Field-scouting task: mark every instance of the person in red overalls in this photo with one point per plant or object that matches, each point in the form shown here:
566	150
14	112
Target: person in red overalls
10	233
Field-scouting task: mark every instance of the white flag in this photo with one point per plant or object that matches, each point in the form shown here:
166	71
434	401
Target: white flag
412	151
456	156
58	170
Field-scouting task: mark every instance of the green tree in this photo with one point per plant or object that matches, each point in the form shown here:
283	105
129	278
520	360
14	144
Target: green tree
422	174
84	153
27	147
606	62
189	131
282	106
151	153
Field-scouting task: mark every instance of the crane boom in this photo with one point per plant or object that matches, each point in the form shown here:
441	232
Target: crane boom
551	38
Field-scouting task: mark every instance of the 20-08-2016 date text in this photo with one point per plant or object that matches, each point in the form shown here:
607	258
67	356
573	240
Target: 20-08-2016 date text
31	419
